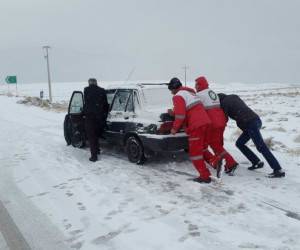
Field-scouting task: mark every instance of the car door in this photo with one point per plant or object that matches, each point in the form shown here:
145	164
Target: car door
119	116
74	121
130	113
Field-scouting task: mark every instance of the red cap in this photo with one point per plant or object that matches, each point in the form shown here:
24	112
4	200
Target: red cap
201	83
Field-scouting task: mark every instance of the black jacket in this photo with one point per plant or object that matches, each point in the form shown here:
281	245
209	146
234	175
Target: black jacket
95	102
235	108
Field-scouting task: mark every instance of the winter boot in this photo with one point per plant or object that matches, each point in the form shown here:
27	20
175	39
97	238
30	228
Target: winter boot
258	165
93	158
277	174
231	170
200	180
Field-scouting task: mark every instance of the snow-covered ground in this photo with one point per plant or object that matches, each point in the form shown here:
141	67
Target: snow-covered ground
58	199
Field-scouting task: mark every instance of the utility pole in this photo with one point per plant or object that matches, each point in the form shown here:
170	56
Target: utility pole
46	48
185	68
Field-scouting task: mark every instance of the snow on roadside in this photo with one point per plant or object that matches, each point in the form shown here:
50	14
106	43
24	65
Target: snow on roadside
114	204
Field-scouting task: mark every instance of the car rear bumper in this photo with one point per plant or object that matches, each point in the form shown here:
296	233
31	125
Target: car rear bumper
160	143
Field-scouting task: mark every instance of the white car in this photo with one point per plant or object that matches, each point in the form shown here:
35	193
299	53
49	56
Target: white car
137	120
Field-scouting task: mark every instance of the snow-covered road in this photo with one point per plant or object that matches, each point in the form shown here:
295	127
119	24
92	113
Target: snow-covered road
59	200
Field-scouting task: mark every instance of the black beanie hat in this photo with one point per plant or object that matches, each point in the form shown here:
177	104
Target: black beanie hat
174	83
92	81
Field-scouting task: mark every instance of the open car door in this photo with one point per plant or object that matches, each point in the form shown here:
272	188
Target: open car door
74	131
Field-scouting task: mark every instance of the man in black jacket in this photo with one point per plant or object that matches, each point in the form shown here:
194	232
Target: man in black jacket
250	123
95	110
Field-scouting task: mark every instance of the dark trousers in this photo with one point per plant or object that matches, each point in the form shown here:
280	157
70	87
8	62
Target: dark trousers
253	132
93	128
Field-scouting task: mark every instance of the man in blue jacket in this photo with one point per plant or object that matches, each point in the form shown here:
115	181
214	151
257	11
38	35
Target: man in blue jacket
250	123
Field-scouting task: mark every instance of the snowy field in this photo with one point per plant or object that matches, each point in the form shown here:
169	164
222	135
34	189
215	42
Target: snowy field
59	200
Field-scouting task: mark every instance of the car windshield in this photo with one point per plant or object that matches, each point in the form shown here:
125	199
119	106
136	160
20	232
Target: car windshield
158	97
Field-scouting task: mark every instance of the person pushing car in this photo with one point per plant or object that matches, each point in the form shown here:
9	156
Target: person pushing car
189	112
215	133
250	123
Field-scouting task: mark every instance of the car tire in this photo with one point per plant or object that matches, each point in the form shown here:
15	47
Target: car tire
135	150
77	140
67	130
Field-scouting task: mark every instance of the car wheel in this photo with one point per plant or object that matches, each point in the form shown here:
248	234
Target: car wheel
68	130
77	140
135	150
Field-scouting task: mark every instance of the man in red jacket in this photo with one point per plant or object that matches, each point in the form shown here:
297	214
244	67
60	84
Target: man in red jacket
215	139
189	112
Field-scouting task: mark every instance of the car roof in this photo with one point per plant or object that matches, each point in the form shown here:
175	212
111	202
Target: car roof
136	85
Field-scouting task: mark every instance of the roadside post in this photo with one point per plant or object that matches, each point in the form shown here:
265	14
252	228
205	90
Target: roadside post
46	48
41	94
185	67
12	80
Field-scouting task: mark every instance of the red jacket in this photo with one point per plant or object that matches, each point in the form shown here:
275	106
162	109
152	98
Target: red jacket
188	110
211	103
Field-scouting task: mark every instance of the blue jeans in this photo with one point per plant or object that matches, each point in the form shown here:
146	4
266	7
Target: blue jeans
252	132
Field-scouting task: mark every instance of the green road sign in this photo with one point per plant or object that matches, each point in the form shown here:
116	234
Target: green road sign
11	79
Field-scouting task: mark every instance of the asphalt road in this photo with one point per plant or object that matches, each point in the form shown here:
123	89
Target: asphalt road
12	238
22	224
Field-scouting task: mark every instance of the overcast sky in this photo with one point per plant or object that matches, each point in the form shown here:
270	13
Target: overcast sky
226	40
